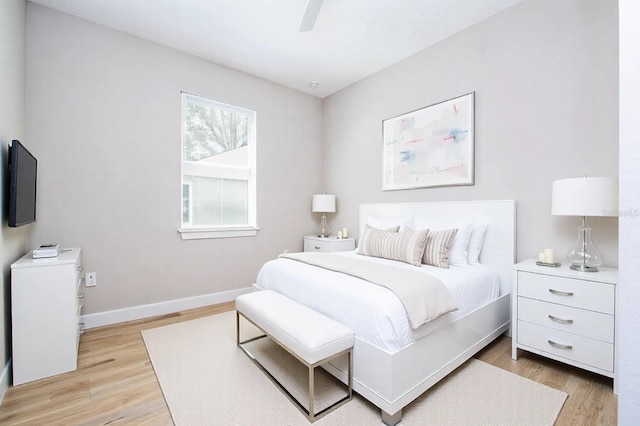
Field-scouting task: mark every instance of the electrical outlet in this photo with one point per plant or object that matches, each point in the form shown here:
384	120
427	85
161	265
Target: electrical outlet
90	279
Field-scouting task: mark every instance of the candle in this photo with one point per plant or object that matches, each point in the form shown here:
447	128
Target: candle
541	257
339	235
549	255
345	232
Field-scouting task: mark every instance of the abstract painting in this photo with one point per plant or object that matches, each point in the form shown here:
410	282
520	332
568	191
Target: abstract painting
432	146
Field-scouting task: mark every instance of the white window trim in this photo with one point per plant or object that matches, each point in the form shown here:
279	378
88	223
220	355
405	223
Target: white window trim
252	229
202	233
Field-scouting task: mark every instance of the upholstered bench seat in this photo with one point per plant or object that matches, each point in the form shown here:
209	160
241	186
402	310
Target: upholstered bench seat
311	337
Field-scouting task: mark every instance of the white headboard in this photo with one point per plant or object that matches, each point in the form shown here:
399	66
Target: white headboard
498	250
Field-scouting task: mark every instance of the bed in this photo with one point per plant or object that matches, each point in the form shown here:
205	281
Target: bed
395	363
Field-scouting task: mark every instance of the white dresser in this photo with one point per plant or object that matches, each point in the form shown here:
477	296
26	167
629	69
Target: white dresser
565	315
45	313
328	244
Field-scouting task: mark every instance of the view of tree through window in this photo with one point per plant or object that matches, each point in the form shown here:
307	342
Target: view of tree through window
210	131
217	164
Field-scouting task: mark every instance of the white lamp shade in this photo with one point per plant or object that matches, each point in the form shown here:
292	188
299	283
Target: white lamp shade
585	196
323	203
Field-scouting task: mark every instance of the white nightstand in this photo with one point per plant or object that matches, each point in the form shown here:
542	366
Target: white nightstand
565	315
328	244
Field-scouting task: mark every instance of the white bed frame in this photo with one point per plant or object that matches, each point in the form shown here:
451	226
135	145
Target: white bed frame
393	380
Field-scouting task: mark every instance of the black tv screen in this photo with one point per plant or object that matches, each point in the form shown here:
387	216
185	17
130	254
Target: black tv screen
22	185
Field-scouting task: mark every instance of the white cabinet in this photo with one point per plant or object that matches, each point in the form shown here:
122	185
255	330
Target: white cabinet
329	244
565	315
45	314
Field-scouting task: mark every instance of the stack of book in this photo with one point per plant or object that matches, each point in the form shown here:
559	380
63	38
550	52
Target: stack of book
46	250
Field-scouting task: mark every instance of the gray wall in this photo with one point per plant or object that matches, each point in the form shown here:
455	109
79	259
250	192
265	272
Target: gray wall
629	288
103	118
12	101
545	76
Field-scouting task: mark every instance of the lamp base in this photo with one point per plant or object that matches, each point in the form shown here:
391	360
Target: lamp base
584	268
584	256
323	230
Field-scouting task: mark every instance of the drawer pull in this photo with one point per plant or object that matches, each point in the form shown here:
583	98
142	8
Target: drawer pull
560	320
317	247
560	293
559	345
79	268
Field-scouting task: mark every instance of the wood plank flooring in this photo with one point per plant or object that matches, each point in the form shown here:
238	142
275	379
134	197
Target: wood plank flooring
115	383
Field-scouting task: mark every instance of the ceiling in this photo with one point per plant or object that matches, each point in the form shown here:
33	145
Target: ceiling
351	39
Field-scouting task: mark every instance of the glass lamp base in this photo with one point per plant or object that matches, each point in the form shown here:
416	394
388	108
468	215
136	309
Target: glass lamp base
584	256
323	230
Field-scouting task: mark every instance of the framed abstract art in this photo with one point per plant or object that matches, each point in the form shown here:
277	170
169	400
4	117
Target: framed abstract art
432	146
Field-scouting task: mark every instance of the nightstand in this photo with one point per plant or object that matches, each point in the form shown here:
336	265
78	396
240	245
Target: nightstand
328	244
565	315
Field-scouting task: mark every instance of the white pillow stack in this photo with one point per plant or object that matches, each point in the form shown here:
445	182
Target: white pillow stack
464	238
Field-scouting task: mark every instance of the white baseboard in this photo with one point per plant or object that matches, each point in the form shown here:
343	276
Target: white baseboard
5	380
145	311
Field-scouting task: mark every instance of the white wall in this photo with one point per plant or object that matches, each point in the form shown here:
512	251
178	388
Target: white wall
103	118
12	102
545	76
629	287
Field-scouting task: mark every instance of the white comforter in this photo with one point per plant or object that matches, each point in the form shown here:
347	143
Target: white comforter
373	312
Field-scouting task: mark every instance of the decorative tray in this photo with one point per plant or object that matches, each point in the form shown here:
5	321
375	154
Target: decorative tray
550	265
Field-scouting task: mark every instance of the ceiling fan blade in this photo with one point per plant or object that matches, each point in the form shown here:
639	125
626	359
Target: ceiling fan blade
310	15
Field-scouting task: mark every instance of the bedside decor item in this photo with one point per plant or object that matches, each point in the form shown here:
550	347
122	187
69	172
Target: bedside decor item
549	265
323	203
585	196
432	146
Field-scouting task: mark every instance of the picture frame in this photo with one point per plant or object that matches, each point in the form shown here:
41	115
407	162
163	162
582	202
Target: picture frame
430	147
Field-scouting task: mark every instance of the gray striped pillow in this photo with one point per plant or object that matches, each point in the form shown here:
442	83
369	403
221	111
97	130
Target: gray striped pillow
406	247
436	252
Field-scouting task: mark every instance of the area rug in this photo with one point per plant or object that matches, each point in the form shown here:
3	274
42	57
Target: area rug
207	380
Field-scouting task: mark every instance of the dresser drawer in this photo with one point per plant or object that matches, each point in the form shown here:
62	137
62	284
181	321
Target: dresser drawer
587	351
589	324
313	245
327	245
588	295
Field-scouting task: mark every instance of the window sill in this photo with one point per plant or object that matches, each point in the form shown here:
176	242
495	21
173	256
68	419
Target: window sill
202	233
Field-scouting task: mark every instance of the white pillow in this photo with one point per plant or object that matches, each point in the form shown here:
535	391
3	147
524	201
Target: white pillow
476	240
378	223
458	250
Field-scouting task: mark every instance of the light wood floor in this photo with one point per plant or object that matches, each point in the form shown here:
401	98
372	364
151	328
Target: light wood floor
115	383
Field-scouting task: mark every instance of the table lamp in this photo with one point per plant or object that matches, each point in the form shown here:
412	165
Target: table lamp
323	203
585	196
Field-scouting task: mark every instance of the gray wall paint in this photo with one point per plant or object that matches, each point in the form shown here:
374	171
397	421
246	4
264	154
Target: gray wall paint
545	76
103	118
629	288
12	101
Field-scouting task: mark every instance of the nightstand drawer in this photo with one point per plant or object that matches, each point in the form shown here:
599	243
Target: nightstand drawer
567	291
587	351
327	245
589	324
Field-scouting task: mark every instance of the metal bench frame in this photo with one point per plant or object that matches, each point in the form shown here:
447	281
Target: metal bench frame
308	412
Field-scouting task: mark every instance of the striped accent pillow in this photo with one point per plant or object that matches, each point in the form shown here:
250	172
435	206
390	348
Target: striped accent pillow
436	252
406	247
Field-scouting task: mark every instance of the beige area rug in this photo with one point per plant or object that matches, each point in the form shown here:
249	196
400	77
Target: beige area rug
207	380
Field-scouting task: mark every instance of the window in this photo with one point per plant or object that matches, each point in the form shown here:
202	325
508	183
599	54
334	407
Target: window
218	169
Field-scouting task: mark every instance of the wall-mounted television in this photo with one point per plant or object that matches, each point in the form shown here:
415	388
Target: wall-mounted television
22	185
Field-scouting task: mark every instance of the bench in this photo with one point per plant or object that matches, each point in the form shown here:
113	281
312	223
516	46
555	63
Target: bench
311	337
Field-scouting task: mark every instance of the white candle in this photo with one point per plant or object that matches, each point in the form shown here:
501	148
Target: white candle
549	255
345	232
339	235
541	257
